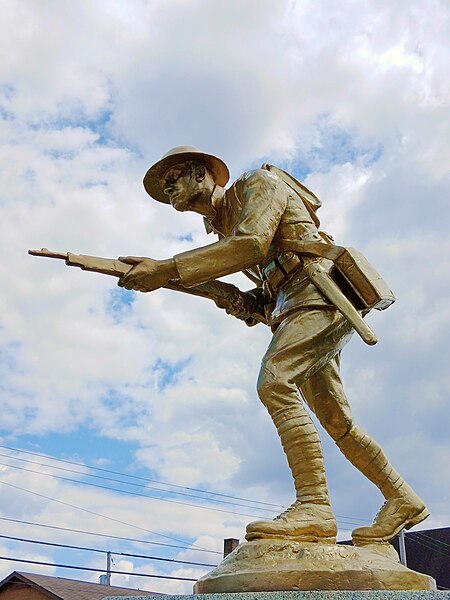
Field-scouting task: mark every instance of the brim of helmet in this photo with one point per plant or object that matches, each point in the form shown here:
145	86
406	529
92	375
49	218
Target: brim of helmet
152	179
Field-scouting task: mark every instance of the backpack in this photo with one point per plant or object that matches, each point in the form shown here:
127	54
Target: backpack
352	272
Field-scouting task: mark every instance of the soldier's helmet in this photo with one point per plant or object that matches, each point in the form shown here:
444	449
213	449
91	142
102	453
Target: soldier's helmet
175	156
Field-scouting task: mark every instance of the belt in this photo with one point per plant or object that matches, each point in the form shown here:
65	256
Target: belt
279	271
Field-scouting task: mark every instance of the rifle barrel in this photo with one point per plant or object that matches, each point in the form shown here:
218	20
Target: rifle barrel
48	253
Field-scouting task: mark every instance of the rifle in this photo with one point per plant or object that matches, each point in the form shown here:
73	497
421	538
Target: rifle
225	295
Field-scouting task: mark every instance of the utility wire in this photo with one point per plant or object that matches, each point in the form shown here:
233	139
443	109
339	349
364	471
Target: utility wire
98	514
429	541
429	537
148	496
104	535
426	545
49	564
54	544
70	462
129	483
351	520
111	489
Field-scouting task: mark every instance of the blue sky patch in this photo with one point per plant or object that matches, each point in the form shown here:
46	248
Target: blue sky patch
119	303
8	357
334	146
185	237
6	93
5	114
339	146
81	445
167	373
75	117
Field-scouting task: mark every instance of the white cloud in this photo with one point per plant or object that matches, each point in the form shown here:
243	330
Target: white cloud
7	566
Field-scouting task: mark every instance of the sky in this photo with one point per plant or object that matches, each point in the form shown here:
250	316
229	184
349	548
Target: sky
158	390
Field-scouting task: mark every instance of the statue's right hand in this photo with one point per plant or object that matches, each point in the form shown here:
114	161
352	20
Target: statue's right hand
147	274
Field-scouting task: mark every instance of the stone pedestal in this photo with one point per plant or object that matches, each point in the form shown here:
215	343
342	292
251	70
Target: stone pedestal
286	570
272	565
379	595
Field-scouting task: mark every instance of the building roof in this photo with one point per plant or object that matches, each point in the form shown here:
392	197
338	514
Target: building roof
59	588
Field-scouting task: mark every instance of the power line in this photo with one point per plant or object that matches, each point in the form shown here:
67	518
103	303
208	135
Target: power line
87	549
129	483
104	535
342	518
426	545
428	541
90	484
49	564
70	462
429	537
98	514
111	489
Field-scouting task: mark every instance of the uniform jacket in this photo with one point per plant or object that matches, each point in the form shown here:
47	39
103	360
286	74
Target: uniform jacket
257	212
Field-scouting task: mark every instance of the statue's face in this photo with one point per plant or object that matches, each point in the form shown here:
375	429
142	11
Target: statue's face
177	185
184	184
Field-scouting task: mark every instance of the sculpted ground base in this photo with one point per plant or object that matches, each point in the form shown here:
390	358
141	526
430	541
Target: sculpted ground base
271	565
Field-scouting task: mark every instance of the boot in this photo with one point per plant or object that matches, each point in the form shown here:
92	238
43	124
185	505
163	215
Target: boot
310	518
402	508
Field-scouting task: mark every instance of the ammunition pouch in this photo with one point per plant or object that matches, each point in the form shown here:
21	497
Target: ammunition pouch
280	271
352	272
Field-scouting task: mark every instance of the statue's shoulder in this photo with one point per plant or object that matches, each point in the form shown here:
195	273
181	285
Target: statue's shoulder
256	176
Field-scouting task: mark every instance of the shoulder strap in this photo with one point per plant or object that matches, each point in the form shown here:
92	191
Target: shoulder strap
324	250
310	200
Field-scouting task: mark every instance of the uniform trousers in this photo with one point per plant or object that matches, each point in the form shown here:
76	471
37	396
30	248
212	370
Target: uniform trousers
303	356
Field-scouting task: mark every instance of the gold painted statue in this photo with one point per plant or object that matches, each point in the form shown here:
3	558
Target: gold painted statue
260	220
311	293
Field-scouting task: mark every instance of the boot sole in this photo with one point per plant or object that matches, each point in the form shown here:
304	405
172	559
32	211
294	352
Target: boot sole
364	541
317	539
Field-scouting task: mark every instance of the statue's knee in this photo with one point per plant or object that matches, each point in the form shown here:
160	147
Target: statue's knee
275	391
265	384
338	427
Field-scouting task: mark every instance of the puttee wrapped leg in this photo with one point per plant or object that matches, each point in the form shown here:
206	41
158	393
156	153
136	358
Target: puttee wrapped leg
310	518
402	509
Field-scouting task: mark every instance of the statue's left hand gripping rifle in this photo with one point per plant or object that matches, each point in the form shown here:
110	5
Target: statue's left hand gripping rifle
225	295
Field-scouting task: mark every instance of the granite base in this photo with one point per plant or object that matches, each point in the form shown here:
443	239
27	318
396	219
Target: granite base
324	595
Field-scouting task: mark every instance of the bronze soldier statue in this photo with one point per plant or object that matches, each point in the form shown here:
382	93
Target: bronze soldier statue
255	219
